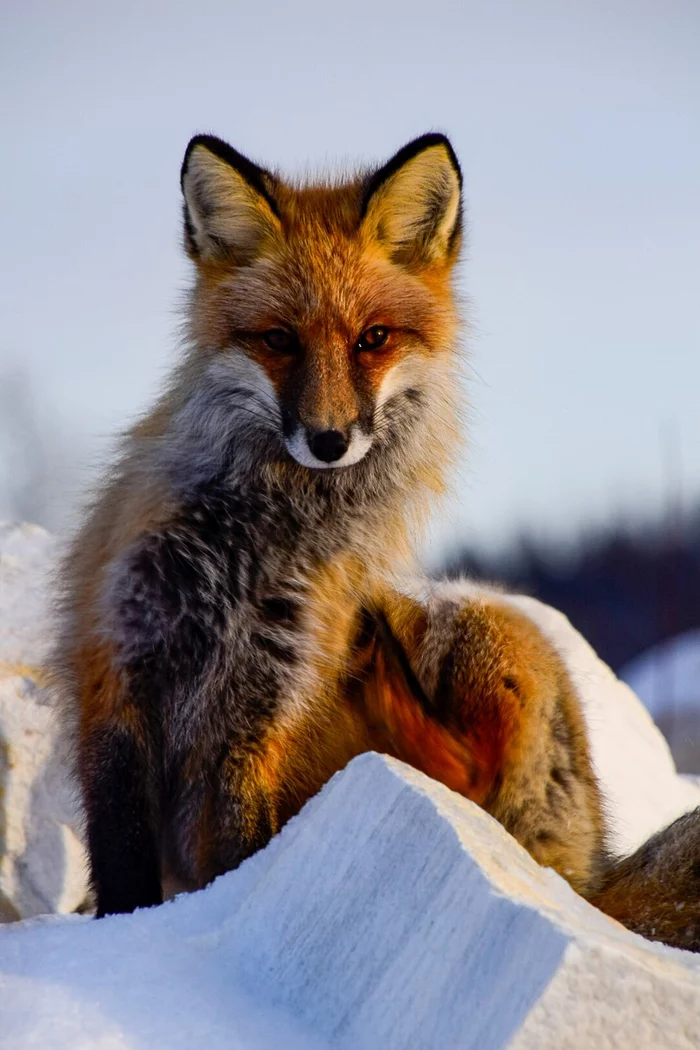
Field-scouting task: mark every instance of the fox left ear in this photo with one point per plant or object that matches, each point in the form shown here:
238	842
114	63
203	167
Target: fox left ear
230	210
413	205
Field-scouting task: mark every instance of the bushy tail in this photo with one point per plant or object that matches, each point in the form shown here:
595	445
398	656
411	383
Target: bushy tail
656	891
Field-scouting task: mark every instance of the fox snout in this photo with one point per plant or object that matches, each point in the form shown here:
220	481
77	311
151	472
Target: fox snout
327	449
328	445
327	410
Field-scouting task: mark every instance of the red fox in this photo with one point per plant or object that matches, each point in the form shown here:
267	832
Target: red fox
232	633
212	595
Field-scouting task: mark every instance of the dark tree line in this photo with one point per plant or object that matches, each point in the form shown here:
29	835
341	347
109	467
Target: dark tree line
625	589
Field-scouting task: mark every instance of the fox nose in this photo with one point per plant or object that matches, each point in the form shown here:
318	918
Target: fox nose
328	445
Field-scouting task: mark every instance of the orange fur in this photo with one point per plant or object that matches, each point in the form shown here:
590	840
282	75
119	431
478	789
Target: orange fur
467	764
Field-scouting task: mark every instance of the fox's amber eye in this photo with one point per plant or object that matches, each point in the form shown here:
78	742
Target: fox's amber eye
281	340
372	338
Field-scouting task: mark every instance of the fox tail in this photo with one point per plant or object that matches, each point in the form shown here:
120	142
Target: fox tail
656	891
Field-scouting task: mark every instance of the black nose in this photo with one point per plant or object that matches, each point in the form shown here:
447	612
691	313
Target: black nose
328	445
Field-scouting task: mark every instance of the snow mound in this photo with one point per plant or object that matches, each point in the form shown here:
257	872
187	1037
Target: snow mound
390	914
27	558
42	864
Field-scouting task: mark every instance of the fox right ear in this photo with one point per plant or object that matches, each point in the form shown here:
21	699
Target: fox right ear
230	210
413	205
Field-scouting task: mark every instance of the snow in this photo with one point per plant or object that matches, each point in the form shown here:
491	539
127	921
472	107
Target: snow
42	863
165	978
667	677
389	914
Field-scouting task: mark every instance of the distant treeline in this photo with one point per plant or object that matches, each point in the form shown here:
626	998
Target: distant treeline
625	588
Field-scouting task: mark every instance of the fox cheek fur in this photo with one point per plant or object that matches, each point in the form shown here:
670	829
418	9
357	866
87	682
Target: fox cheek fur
211	598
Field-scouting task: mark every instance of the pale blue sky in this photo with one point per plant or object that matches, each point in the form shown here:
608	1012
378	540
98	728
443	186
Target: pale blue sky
578	127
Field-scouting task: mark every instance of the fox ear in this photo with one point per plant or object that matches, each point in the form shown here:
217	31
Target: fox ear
230	210
413	205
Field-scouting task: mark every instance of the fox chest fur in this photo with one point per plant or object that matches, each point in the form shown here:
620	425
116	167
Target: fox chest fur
238	614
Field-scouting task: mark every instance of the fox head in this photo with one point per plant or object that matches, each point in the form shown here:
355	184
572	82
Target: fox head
322	319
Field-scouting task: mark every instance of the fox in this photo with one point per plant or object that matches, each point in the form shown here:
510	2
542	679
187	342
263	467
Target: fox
233	624
209	601
463	686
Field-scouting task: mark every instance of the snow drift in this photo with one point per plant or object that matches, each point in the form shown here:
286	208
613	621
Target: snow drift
42	864
390	914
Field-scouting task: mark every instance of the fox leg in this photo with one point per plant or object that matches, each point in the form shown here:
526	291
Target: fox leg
194	668
150	658
239	816
401	719
469	691
120	798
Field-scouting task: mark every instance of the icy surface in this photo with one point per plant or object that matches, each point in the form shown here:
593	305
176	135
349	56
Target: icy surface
391	914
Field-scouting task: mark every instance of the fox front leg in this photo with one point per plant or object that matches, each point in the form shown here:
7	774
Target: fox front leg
144	698
238	817
181	632
122	821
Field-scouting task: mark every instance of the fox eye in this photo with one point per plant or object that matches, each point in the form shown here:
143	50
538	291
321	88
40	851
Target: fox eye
281	340
372	338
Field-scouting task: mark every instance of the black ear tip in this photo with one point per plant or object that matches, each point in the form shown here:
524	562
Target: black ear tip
211	142
406	153
427	141
258	177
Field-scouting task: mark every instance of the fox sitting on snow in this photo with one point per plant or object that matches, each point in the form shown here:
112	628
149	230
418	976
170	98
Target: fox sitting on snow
234	631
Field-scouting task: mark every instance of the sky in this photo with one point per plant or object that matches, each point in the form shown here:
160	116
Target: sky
577	126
